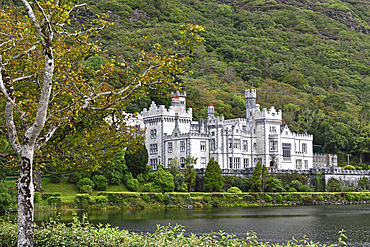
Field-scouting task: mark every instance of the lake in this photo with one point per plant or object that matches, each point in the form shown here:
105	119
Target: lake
272	224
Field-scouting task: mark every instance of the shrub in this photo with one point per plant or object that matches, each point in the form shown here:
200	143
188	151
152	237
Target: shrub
207	199
287	197
101	199
54	200
132	184
234	190
146	197
334	185
320	198
150	187
5	198
36	197
268	198
216	203
83	199
140	178
86	189
73	178
292	190
55	178
85	181
350	197
128	176
101	182
279	197
45	196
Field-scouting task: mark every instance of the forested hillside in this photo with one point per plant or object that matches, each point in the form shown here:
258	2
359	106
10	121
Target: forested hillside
309	58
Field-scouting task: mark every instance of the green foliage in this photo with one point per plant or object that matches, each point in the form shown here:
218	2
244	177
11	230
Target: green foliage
132	184
83	233
244	184
234	190
136	162
54	200
5	198
128	176
86	189
101	199
213	179
115	170
85	185
363	184
161	181
45	196
319	183
256	178
334	185
55	178
83	199
273	184
100	182
73	178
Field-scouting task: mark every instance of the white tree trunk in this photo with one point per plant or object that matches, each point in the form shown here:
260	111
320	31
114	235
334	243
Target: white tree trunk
25	199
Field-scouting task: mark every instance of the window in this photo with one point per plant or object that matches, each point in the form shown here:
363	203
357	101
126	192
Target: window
182	146
153	148
246	163
203	162
286	150
213	144
306	164
304	148
153	134
169	147
213	133
169	160
203	146
182	162
153	163
273	145
237	143
245	145
230	143
298	164
237	163
254	146
230	162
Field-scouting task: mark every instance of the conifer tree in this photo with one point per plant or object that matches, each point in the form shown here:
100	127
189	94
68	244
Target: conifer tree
256	178
213	179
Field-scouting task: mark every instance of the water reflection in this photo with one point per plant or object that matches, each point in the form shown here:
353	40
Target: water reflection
273	224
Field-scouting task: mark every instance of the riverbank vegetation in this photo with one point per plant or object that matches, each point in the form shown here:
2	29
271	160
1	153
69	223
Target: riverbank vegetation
83	233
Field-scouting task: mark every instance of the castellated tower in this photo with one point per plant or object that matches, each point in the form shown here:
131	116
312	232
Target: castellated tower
179	99
250	105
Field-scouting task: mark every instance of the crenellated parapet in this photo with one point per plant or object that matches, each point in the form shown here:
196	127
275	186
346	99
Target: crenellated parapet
156	110
270	114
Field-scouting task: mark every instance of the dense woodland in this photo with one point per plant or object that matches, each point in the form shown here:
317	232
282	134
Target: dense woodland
309	58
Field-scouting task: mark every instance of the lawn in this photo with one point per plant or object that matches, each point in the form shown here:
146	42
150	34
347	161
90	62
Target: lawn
67	190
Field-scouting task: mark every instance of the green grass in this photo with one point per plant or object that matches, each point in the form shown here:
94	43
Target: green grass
67	190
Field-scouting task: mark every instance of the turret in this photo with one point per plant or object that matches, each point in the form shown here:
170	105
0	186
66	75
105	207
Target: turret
211	111
179	99
250	104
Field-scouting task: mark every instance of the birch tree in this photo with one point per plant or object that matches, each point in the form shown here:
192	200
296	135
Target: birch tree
42	87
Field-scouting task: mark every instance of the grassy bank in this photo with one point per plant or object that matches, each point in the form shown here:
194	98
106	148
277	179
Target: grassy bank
82	233
145	200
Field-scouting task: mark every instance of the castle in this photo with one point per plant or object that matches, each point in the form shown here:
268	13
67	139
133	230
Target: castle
235	143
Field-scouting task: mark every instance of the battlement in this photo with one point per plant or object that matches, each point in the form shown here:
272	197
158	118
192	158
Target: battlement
178	94
155	110
269	114
250	94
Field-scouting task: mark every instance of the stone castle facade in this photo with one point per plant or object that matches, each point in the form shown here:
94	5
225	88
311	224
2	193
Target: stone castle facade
235	143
